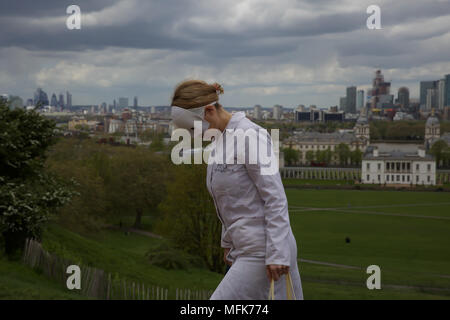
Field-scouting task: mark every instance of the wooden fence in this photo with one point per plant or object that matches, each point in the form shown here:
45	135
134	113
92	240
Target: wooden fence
95	283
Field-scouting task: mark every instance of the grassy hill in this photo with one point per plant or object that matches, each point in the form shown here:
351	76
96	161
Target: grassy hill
405	233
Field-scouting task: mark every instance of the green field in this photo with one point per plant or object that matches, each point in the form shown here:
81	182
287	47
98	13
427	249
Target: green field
407	234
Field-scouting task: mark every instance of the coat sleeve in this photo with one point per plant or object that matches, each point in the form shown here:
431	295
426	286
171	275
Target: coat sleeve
271	191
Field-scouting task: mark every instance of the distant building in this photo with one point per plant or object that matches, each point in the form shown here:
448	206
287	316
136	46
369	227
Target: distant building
54	101
277	112
431	101
40	98
135	102
342	103
432	131
350	100
403	97
257	112
303	141
447	91
441	94
424	87
397	167
68	100
313	115
360	99
379	96
123	103
61	102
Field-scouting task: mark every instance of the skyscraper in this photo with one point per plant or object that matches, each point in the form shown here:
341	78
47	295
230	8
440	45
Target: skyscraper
61	101
424	86
54	101
135	102
403	97
68	100
350	100
123	103
277	111
380	92
447	91
431	102
441	94
342	103
360	99
257	112
40	98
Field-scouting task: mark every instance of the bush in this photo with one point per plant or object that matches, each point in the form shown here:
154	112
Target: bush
165	256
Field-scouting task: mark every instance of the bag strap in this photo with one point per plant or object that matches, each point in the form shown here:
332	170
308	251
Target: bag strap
289	288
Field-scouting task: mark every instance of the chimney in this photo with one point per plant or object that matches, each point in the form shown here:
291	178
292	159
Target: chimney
375	152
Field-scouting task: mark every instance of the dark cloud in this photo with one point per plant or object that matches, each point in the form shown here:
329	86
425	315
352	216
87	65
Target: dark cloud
285	44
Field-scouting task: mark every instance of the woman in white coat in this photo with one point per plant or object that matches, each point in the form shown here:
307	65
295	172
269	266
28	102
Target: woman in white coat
256	234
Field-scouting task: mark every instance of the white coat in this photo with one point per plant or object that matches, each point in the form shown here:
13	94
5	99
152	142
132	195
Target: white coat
253	210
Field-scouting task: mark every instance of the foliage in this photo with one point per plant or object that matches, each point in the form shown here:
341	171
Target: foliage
291	156
28	194
190	219
165	256
441	152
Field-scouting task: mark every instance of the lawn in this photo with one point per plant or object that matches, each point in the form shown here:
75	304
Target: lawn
409	241
407	234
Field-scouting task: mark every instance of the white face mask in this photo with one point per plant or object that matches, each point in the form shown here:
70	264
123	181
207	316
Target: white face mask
184	118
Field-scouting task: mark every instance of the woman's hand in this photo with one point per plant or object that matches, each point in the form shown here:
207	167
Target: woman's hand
275	271
225	253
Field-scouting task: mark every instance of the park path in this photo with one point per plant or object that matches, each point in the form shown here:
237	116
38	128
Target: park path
354	209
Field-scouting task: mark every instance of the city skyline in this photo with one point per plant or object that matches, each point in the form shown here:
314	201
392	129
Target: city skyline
262	52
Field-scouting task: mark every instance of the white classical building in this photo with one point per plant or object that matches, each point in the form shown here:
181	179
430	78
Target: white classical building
397	167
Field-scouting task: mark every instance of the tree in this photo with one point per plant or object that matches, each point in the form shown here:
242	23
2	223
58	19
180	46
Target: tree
310	155
291	156
189	217
356	156
29	195
138	182
343	152
438	151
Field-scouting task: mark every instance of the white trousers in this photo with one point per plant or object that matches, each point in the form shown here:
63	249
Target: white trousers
247	280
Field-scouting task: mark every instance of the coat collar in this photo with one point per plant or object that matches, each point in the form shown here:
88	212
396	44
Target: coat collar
236	117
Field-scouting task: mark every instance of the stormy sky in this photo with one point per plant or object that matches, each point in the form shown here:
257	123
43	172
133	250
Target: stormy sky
262	51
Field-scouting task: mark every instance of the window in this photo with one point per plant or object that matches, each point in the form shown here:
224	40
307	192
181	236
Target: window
428	178
387	178
417	167
403	166
387	165
379	166
379	178
368	178
407	178
398	177
392	178
429	167
417	178
368	166
408	166
403	178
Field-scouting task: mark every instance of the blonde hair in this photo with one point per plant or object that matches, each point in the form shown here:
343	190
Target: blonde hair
195	93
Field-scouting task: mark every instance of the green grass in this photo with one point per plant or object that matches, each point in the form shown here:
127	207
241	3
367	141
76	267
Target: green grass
410	251
316	182
124	254
18	281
